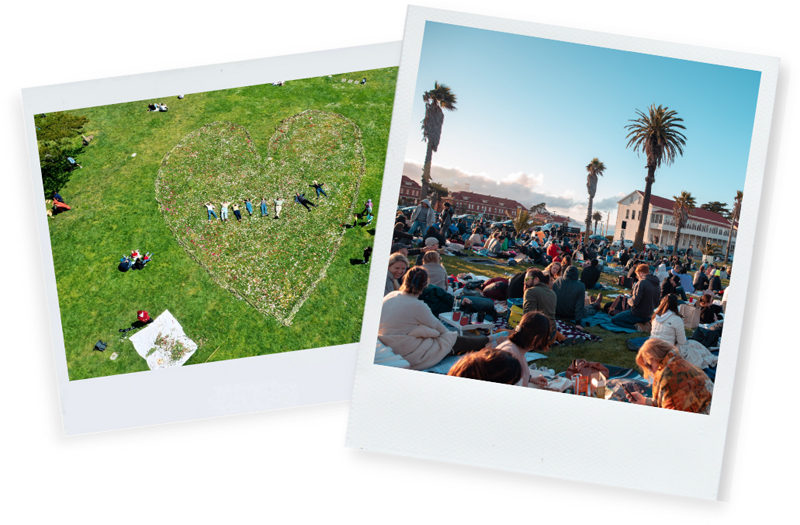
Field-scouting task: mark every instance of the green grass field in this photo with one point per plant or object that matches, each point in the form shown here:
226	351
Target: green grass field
115	210
612	350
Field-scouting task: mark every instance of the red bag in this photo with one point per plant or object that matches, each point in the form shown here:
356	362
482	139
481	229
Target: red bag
143	316
585	368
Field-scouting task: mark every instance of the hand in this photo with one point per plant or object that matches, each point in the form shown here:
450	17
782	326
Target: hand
539	380
466	301
636	397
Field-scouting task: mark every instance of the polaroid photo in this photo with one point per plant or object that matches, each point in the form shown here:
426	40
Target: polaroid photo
206	233
570	210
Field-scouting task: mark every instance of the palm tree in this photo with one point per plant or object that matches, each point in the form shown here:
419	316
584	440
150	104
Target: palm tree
596	217
437	99
737	208
522	221
683	207
658	137
594	168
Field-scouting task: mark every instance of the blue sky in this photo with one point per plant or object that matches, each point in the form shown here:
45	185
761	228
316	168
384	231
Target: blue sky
533	112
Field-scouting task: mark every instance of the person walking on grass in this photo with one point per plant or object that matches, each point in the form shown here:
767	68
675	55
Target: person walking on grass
263	206
249	206
318	187
210	208
235	208
278	207
300	198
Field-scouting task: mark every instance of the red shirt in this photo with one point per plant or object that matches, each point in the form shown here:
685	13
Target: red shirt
552	250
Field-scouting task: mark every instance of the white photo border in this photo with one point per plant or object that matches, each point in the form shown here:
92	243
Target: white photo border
537	432
237	386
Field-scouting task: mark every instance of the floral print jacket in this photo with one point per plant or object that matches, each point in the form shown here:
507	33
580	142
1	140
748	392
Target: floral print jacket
679	385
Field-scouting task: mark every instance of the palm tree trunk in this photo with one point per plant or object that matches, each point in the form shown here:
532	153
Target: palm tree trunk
730	232
426	171
638	242
677	237
588	221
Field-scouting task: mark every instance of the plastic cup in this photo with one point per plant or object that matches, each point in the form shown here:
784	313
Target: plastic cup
464	320
456	316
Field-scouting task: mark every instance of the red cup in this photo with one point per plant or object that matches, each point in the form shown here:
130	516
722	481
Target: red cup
456	316
464	321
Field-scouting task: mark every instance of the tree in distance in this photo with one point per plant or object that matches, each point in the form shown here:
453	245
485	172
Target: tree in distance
595	168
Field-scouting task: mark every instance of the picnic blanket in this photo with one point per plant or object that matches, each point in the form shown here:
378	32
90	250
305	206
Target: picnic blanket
445	364
573	333
491	262
603	320
635	343
174	347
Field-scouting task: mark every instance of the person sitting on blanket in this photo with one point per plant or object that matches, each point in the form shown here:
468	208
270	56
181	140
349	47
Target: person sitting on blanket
686	279
714	282
474	240
398	264
670	285
532	334
431	245
434	232
677	384
432	265
490	364
668	326
516	285
400	235
566	262
709	312
410	329
644	300
591	275
538	297
571	295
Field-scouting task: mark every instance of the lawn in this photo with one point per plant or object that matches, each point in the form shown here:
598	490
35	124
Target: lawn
312	296
612	350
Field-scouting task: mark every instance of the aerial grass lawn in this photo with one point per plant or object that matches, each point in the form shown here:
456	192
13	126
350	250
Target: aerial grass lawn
115	209
612	350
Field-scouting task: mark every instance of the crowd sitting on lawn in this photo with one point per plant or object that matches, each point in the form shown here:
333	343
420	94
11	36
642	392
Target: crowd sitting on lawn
416	293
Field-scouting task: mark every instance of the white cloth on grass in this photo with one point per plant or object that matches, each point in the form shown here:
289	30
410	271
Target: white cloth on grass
145	340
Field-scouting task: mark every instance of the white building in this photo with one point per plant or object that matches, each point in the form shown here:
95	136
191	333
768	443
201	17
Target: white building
703	225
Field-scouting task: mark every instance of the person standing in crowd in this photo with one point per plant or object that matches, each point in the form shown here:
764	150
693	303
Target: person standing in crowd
447	218
644	300
422	218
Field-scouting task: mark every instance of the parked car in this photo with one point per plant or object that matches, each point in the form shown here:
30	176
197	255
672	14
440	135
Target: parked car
667	250
627	243
651	247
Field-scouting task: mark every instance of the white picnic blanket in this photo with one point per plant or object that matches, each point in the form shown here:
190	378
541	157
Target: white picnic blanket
169	330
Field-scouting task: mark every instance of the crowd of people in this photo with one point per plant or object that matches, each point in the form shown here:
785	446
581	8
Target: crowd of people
561	271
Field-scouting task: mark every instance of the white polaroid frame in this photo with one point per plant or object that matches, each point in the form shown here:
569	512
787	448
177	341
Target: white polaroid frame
236	386
538	432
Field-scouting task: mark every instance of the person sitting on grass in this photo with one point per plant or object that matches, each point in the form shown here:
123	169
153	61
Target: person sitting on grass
399	235
489	364
402	249
411	330
643	301
538	297
433	231
700	281
668	326
432	265
300	198
532	334
474	240
552	272
431	245
398	265
590	276
57	197
709	312
566	262
571	297
677	384
670	285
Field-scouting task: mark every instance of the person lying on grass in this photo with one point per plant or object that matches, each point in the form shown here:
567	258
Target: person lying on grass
263	206
210	207
248	206
224	211
410	329
489	364
318	186
677	384
278	207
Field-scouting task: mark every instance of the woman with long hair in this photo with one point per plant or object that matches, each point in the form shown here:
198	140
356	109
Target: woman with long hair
667	325
398	264
411	330
437	275
552	271
677	384
531	334
489	364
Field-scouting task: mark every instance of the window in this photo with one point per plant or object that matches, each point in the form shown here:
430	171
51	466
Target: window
627	214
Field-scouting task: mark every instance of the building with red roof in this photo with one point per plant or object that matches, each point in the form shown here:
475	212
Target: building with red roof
703	225
486	206
409	192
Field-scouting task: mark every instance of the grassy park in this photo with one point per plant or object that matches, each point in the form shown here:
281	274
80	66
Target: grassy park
239	289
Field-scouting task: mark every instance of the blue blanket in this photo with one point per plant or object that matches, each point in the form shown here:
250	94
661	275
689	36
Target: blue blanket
603	320
447	363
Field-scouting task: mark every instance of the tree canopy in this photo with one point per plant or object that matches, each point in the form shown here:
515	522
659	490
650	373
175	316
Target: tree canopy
58	136
717	207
